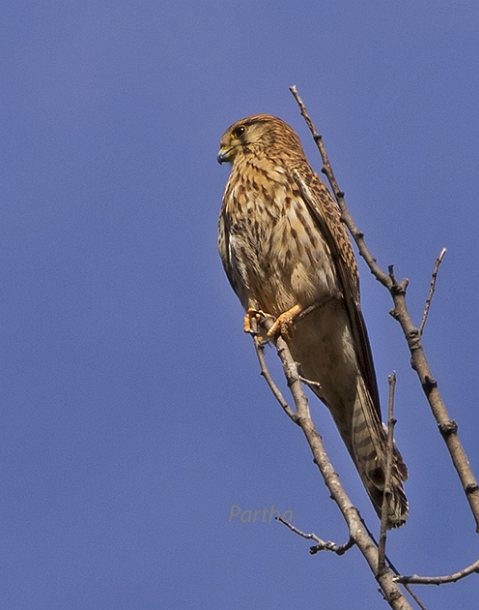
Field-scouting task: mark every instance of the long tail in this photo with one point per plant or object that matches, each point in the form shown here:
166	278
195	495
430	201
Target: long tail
322	345
368	448
366	440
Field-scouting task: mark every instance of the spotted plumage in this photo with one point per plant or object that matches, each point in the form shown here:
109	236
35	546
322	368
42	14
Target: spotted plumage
284	249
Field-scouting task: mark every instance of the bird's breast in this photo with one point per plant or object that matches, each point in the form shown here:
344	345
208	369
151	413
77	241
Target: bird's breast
277	255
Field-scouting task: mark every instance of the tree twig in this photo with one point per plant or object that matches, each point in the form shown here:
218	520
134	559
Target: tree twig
440	580
400	312
432	288
321	545
310	382
387	474
259	348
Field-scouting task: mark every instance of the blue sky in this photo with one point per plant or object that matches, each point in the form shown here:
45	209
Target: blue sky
133	415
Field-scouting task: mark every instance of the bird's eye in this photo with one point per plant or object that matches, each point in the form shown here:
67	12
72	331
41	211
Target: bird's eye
239	131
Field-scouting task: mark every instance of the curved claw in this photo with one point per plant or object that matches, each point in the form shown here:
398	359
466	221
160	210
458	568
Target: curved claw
253	314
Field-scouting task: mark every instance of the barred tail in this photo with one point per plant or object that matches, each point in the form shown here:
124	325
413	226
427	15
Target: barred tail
323	346
369	452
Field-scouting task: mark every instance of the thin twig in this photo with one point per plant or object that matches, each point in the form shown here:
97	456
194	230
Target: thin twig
440	580
387	475
259	348
321	545
259	344
310	382
291	372
432	288
415	597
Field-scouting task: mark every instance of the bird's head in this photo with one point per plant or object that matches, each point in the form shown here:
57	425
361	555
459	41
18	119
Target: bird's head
255	134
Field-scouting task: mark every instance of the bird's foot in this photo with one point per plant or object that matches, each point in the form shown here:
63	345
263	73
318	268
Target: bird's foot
283	325
252	318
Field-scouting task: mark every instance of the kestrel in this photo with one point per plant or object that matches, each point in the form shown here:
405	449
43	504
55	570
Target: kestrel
286	252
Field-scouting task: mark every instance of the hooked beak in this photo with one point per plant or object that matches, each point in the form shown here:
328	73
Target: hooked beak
223	155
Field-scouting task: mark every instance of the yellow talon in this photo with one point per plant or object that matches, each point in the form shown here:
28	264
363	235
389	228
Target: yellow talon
283	325
251	314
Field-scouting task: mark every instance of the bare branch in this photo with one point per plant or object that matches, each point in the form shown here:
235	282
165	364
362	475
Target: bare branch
411	333
310	382
259	347
387	476
440	580
432	288
321	545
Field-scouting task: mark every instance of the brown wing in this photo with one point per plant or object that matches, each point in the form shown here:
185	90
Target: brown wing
326	215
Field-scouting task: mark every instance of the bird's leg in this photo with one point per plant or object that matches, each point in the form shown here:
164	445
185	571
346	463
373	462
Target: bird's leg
283	325
253	314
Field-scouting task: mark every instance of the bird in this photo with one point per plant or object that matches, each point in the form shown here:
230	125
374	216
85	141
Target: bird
287	254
